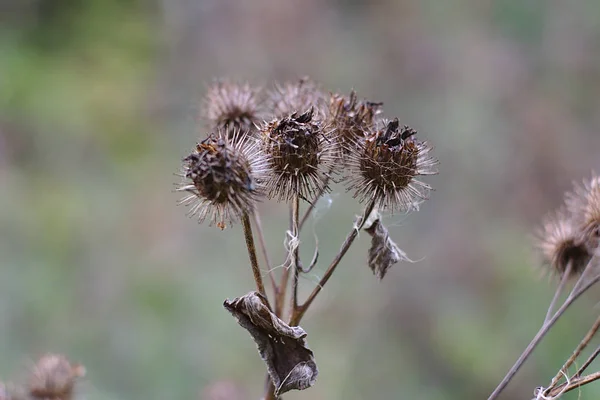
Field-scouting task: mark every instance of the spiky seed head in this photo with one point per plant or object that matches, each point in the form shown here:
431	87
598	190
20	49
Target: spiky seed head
584	204
296	97
223	177
232	107
560	243
54	377
386	165
351	120
299	156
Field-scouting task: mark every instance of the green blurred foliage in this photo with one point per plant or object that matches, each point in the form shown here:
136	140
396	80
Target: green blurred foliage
98	104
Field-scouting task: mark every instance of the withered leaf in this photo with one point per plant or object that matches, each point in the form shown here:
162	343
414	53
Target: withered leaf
383	252
290	363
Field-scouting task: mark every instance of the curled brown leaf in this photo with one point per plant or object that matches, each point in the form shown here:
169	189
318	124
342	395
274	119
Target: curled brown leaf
290	363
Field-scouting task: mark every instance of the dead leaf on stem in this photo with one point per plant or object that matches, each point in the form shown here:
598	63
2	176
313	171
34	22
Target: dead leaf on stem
290	363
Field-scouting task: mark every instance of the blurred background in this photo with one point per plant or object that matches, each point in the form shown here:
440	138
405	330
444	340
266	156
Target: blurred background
99	102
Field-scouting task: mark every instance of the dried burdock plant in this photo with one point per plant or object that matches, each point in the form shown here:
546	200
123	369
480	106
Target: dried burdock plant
53	377
562	246
301	143
298	154
584	204
386	166
232	107
223	178
568	242
295	97
352	120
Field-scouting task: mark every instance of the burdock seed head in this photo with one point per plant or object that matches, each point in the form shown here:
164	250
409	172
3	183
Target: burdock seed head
54	377
386	165
299	156
351	120
232	107
223	177
584	204
560	243
296	97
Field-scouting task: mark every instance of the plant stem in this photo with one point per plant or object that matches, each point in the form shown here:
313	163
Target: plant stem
299	311
574	295
252	254
576	353
573	384
559	289
313	204
263	248
285	276
296	250
587	363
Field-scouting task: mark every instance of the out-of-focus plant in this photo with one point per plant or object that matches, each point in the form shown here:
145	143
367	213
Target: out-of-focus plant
289	145
568	242
52	377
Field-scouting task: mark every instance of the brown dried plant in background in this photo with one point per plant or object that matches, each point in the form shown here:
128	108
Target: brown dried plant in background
294	97
351	119
232	107
568	243
301	142
53	377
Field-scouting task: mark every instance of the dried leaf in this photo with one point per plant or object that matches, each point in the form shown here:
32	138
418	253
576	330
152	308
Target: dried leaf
290	363
383	252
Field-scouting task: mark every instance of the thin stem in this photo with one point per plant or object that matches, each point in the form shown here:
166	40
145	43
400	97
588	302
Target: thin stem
587	363
573	384
576	353
301	310
252	254
313	204
263	248
285	276
296	249
574	295
563	280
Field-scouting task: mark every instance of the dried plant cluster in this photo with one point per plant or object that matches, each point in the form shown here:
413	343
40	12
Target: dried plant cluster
53	377
289	144
568	242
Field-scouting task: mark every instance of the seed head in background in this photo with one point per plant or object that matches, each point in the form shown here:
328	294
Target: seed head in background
54	377
385	167
584	204
559	243
299	156
351	120
296	97
223	177
232	107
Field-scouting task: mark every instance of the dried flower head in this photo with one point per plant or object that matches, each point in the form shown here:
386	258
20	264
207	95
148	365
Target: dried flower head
584	203
299	155
54	377
386	166
295	97
232	107
560	243
223	177
351	119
